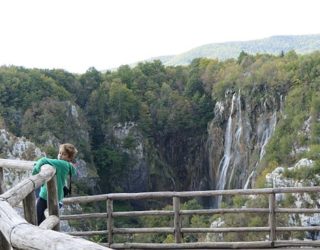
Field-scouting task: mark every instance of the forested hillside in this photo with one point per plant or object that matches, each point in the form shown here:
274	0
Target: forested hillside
156	127
274	45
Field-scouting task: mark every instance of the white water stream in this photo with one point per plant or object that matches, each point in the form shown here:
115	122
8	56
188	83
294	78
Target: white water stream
224	162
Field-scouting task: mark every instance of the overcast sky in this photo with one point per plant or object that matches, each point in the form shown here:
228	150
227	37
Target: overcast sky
78	34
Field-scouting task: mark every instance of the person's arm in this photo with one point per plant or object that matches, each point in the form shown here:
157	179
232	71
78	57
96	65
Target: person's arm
37	166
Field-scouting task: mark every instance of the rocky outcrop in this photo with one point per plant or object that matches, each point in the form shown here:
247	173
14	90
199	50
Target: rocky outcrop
137	174
12	147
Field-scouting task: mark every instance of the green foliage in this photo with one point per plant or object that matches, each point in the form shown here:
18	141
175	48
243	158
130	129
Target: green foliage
111	165
298	101
305	173
273	45
167	221
21	88
89	81
123	103
170	108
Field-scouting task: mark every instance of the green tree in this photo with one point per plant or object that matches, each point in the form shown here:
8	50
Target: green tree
123	103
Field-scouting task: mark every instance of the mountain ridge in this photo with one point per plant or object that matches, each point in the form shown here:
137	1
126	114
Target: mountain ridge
277	44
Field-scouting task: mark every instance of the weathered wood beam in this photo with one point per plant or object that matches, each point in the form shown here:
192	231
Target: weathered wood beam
53	207
17	193
4	244
27	236
153	195
177	219
29	208
296	243
117	214
110	221
50	222
183	230
272	217
23	235
196	245
17	164
2	184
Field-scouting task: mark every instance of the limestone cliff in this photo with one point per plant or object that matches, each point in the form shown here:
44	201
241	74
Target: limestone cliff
238	135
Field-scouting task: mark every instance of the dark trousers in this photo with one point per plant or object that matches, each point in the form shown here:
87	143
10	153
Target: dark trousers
41	207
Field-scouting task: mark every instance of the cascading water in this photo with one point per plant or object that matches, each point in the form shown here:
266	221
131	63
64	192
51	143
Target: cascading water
235	151
266	135
239	130
224	163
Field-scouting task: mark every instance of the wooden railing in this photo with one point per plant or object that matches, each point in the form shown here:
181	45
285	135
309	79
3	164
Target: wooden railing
21	233
15	232
271	229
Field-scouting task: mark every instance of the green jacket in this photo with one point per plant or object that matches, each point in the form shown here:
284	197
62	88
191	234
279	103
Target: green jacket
62	172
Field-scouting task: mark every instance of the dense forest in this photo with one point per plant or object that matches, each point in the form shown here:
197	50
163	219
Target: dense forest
170	108
146	128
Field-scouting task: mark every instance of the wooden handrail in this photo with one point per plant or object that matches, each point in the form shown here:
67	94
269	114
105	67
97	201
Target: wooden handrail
16	164
17	193
176	213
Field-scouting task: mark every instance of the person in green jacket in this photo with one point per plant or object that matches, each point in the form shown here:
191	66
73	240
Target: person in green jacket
63	166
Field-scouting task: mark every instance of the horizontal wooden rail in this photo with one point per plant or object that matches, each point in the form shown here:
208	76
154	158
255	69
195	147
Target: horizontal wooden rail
297	243
116	214
224	211
197	245
297	210
309	228
143	230
192	230
88	233
156	195
16	164
171	230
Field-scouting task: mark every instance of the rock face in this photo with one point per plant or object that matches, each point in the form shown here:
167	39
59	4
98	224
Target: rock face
177	162
276	179
226	157
12	147
237	137
137	180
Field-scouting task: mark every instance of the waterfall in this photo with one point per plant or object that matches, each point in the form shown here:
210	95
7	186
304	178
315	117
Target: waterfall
239	130
266	135
224	163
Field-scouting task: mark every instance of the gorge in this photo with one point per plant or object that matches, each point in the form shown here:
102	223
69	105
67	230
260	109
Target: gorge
209	125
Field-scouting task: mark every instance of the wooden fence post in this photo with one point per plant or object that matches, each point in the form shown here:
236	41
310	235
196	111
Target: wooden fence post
272	218
110	221
29	208
4	244
53	206
177	220
2	185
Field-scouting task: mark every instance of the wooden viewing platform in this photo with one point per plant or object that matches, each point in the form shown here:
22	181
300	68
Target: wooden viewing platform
22	234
